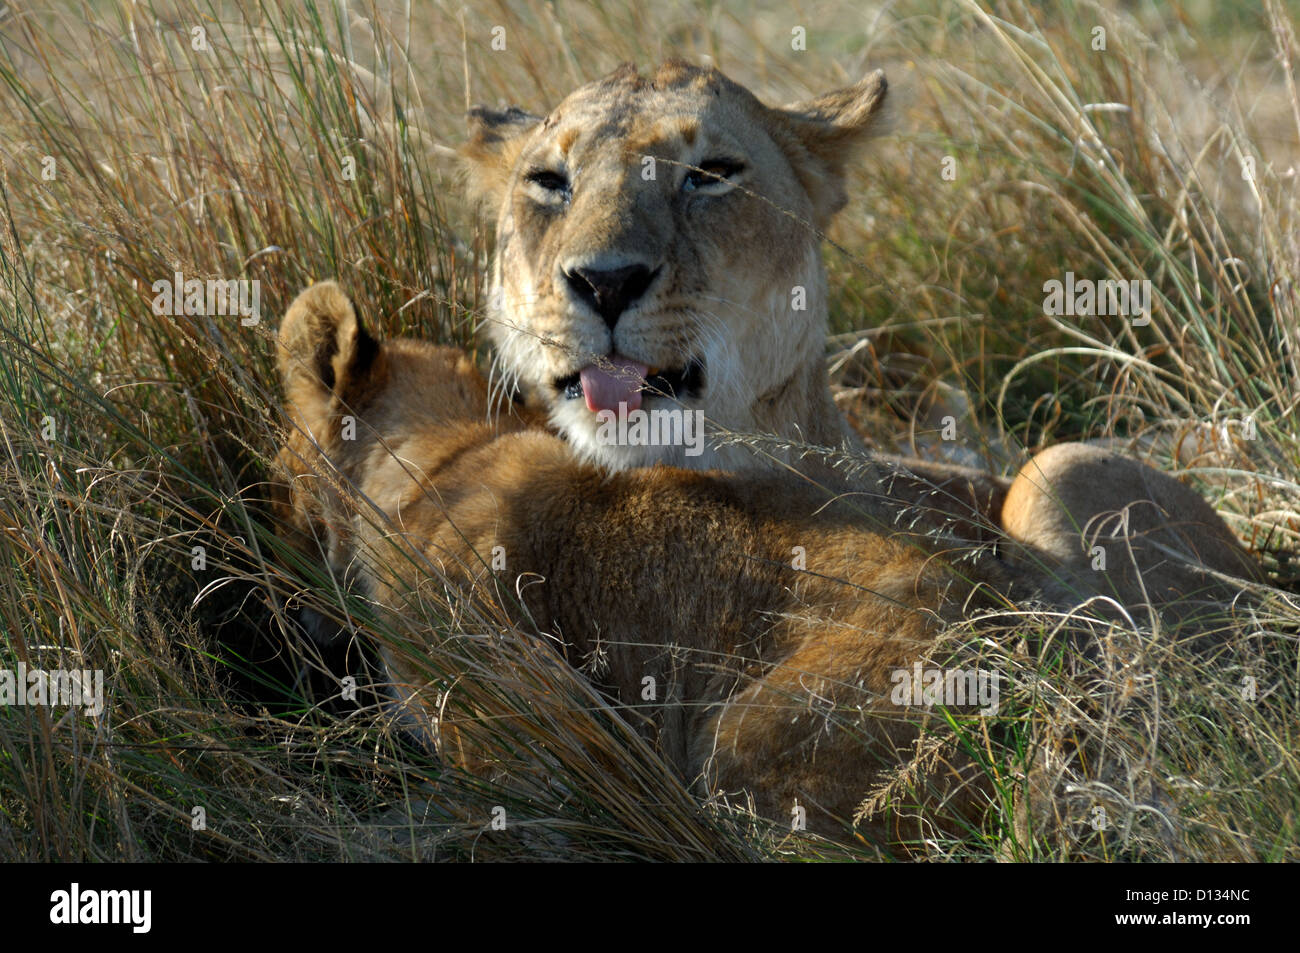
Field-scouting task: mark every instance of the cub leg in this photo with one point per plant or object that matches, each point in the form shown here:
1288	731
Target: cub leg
820	731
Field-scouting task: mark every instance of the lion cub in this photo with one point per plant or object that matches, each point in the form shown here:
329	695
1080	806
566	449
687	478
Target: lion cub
776	621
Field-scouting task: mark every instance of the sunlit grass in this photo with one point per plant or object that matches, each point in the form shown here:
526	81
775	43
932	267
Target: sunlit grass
310	142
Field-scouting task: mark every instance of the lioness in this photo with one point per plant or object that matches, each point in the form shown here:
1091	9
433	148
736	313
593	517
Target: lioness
658	246
772	619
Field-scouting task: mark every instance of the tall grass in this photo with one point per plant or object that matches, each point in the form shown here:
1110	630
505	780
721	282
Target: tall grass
312	141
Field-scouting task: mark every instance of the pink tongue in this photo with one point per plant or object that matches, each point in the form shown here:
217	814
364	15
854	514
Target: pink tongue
620	384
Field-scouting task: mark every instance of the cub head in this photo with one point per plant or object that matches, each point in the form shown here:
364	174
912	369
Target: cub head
658	246
367	418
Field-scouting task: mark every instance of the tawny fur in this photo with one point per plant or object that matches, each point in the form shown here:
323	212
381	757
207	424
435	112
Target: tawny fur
773	682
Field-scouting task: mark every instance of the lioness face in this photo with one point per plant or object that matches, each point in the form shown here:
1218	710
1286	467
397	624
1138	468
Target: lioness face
658	248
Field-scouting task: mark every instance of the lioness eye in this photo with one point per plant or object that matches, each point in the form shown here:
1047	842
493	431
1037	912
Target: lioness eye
713	172
548	180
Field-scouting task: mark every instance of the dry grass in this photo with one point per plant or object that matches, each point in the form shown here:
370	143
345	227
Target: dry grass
227	162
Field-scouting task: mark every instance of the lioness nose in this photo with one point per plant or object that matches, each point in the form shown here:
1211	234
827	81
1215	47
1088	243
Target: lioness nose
610	292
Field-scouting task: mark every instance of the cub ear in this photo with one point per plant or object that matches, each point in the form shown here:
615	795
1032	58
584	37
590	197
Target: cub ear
327	360
830	127
495	138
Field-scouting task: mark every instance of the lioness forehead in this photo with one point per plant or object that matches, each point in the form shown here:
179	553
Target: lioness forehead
677	100
674	80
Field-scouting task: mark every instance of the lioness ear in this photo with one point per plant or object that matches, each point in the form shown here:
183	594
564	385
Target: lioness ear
327	360
830	128
495	138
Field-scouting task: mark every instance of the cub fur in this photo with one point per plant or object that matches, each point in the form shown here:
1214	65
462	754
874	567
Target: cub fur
771	618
